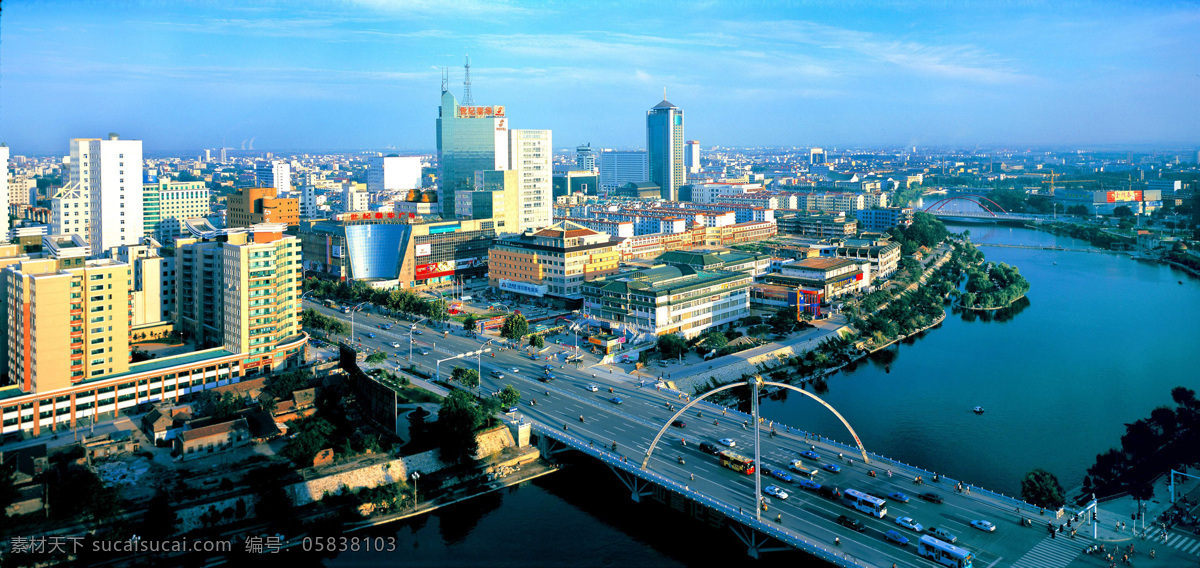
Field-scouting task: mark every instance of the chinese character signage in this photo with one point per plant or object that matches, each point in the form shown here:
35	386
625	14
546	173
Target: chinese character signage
480	112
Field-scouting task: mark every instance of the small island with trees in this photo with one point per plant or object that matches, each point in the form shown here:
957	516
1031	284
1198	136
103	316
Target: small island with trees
991	286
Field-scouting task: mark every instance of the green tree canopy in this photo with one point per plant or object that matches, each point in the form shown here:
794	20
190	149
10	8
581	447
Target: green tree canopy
458	419
510	396
537	341
467	377
671	345
1042	488
469	322
514	328
377	357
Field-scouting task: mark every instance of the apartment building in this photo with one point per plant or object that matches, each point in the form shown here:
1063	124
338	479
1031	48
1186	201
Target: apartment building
254	205
668	299
552	262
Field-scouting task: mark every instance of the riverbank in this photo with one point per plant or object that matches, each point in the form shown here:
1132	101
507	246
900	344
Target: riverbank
975	309
935	323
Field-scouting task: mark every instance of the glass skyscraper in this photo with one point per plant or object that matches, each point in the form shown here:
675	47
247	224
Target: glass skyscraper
469	139
664	140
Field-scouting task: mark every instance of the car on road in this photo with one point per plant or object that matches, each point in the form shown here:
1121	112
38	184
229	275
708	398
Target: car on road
910	524
371	335
424	351
851	523
728	442
898	496
808	484
515	370
709	448
932	497
829	492
395	344
810	455
780	475
895	536
547	367
417	332
942	534
498	374
775	492
616	400
592	388
831	467
985	526
679	424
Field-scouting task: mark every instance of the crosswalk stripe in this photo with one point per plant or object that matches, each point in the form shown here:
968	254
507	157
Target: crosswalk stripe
1180	542
1173	540
1193	548
1050	553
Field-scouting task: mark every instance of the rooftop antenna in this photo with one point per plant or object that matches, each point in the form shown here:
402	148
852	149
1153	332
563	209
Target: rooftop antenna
467	99
445	80
664	93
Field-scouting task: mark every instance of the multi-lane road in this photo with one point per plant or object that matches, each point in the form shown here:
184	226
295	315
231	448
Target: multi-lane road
633	423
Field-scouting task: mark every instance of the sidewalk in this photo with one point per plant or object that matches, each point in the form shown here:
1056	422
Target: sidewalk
1125	509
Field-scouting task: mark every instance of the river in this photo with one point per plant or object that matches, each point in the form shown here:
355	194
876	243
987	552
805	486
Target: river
1099	341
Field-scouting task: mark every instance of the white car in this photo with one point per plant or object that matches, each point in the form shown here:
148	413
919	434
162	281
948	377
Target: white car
498	374
985	526
395	344
592	388
727	442
909	523
775	492
515	370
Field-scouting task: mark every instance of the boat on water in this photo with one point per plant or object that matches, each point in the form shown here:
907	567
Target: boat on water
978	410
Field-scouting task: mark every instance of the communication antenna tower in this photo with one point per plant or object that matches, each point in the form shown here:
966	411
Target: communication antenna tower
467	99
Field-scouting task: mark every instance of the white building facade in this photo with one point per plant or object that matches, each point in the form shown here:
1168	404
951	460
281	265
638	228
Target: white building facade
393	173
530	153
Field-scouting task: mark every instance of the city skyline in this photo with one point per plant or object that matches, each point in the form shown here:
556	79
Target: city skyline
365	74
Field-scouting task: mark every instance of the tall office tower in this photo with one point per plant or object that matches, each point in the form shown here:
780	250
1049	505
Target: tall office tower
224	156
4	193
276	174
239	290
68	318
691	156
168	203
107	174
530	153
393	173
469	139
585	158
619	167
207	155
497	197
308	202
816	156
664	142
254	205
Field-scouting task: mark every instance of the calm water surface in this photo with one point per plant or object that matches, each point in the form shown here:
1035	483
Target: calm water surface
1100	342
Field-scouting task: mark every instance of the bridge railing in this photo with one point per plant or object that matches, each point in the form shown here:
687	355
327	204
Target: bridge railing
613	460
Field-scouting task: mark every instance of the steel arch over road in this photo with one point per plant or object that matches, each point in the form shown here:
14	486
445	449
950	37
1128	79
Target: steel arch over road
751	383
939	204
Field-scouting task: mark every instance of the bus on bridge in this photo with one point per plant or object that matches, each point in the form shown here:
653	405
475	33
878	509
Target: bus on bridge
873	506
944	553
738	463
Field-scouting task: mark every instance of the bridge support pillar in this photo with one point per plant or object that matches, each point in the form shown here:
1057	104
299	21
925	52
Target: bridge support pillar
637	486
548	446
756	542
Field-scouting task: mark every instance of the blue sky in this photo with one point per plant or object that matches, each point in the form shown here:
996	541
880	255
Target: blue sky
364	74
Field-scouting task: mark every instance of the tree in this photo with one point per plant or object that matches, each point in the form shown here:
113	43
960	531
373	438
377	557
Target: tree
1122	211
469	322
671	345
537	341
1042	488
1079	210
377	357
782	321
219	406
458	418
312	436
510	396
714	339
160	518
514	328
468	377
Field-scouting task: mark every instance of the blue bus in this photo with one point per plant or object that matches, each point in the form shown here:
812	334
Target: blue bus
873	506
944	553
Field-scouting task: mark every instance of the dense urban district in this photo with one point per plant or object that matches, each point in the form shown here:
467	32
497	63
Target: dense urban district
277	348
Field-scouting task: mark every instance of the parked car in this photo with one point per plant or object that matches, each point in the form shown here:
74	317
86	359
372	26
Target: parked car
932	497
851	523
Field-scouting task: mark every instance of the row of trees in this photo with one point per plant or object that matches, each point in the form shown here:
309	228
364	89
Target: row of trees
394	301
1150	446
993	285
312	319
925	231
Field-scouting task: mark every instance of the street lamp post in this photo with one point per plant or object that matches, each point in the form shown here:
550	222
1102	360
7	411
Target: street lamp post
352	312
415	476
410	340
479	359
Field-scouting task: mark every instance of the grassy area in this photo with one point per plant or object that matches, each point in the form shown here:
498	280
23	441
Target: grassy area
460	317
413	395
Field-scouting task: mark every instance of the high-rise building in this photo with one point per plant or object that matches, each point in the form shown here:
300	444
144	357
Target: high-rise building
253	205
469	139
585	158
68	317
354	199
308	202
276	174
619	167
554	261
497	197
4	193
240	290
224	156
152	293
168	203
816	156
530	153
664	142
691	156
102	197
393	173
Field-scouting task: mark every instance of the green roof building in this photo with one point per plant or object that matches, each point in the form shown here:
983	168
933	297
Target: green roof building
668	299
